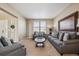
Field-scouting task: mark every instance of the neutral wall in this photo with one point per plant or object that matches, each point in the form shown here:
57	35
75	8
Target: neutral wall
50	24
67	11
20	22
22	27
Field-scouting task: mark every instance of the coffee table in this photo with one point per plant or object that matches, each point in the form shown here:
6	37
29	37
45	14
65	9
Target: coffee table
39	41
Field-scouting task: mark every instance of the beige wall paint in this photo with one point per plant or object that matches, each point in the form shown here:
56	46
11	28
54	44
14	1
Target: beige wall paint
21	27
20	22
67	11
49	24
30	28
30	31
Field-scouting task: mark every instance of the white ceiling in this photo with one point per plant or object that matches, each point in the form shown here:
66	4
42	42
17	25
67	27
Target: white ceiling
39	10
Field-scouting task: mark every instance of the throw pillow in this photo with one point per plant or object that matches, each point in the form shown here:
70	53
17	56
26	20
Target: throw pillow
1	44
61	36
55	34
65	37
12	41
9	42
72	35
3	41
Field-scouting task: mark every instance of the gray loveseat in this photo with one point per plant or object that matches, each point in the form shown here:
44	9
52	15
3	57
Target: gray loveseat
9	48
67	45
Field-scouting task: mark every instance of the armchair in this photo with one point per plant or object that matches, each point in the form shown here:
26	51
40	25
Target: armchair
38	34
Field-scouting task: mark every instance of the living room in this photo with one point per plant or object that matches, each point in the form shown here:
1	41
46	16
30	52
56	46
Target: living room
39	29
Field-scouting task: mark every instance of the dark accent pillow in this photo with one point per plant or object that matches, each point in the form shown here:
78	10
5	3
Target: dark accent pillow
11	41
3	41
61	36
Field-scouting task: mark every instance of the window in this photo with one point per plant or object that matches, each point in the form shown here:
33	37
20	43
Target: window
43	26
36	26
39	26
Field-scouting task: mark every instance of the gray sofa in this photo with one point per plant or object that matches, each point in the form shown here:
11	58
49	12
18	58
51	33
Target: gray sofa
15	49
68	46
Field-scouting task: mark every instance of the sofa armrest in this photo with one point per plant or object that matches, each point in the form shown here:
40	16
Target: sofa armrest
75	41
70	46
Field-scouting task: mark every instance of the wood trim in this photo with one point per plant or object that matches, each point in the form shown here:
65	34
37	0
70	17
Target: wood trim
75	15
8	12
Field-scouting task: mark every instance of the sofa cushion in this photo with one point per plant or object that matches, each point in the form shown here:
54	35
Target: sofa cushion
65	37
52	38
55	34
76	41
72	35
58	42
3	41
35	33
61	34
8	41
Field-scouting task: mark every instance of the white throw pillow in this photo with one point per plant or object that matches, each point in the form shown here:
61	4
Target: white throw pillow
9	42
61	36
66	36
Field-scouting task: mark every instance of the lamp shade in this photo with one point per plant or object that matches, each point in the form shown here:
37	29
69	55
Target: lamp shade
78	23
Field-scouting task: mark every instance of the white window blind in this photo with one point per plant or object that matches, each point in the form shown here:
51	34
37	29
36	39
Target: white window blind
39	26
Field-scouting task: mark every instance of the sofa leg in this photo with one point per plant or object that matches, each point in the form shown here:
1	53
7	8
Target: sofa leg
78	54
61	54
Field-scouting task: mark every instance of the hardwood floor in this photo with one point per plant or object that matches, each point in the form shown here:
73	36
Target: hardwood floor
48	50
